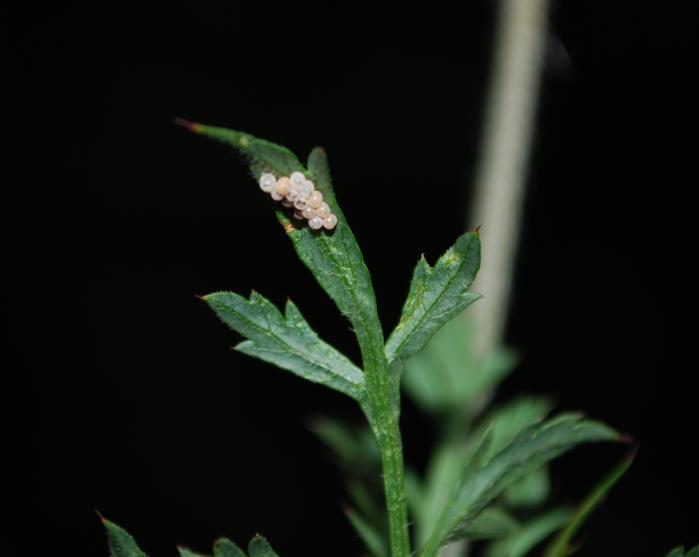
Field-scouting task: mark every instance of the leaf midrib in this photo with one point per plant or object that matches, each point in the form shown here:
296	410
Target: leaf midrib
297	351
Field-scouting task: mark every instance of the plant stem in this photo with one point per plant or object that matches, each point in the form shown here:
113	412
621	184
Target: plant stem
390	445
501	176
382	408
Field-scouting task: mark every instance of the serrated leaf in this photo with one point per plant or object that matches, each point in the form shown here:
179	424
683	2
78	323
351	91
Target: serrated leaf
436	295
530	449
529	535
446	467
561	545
120	542
185	552
333	257
450	462
508	420
449	376
374	542
338	265
260	547
226	548
286	341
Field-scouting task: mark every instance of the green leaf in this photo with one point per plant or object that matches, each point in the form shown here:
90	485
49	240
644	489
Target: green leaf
338	265
436	295
694	552
226	548
492	523
334	257
530	491
677	552
448	376
508	420
263	156
259	547
120	542
185	552
561	545
529	535
446	467
286	341
373	540
528	451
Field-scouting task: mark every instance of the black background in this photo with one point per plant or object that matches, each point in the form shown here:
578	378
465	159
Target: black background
122	393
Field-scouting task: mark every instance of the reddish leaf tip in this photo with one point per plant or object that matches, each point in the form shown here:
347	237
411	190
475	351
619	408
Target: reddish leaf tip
187	125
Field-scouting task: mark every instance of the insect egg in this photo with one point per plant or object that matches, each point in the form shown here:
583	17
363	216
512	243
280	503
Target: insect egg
315	199
267	182
307	188
330	221
283	186
297	178
315	223
323	211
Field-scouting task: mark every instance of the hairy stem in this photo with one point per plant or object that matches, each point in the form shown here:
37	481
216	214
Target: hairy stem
382	408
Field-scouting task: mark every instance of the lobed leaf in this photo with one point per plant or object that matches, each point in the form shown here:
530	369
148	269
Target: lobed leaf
286	341
333	257
436	295
120	542
529	450
446	467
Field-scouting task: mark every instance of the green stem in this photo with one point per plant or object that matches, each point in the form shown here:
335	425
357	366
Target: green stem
382	408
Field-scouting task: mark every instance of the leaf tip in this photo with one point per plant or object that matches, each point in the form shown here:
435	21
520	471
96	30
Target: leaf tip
477	230
187	125
102	518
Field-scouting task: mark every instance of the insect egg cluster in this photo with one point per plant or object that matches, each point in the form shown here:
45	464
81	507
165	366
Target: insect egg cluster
300	193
